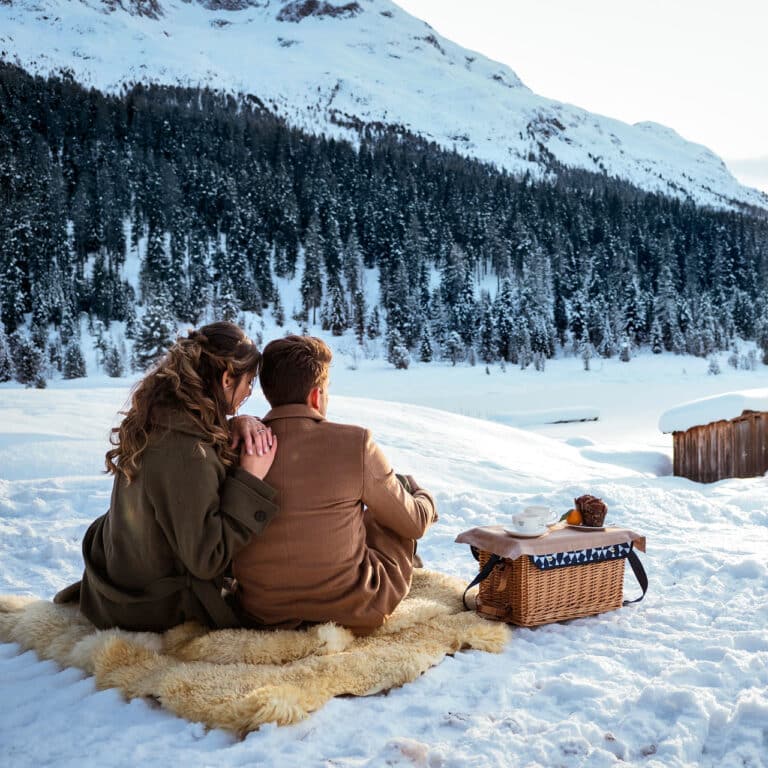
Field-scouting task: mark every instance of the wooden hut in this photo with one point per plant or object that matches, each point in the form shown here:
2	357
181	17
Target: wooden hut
717	448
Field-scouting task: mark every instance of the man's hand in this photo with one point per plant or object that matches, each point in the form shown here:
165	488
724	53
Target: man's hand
258	465
254	435
414	486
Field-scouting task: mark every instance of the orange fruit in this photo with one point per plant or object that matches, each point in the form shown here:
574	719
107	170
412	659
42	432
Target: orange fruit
573	517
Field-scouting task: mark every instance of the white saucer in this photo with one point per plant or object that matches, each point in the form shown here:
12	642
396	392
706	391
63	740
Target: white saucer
523	535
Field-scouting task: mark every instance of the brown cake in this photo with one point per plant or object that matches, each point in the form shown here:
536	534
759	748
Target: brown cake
593	510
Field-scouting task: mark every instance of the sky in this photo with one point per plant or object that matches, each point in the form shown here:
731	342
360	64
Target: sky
698	66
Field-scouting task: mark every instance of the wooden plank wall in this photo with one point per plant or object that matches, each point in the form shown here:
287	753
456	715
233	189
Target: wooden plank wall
735	448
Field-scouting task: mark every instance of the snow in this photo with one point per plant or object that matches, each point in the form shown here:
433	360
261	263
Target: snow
679	679
716	408
380	66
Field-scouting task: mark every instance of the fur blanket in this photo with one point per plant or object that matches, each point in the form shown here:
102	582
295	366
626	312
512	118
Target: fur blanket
239	679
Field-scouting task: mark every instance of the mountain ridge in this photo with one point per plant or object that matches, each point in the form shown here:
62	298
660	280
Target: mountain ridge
332	67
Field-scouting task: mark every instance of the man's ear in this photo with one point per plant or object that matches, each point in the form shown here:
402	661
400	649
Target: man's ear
313	398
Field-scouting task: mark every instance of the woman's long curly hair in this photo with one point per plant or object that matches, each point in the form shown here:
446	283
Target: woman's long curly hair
188	378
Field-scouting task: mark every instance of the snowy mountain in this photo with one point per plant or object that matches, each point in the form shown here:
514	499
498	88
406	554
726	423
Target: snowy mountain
334	67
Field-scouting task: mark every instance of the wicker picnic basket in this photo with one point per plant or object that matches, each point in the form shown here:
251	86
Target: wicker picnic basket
516	591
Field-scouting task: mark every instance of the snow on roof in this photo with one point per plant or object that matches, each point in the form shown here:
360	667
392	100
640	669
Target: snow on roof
717	408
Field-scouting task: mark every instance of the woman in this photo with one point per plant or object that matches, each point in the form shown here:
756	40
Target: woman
181	507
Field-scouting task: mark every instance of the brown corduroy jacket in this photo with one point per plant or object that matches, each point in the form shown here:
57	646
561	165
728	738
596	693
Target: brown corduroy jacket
319	560
157	557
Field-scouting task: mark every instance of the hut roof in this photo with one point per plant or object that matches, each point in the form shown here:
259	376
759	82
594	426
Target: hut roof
727	406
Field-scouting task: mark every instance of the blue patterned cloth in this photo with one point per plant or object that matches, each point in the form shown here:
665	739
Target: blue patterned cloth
581	556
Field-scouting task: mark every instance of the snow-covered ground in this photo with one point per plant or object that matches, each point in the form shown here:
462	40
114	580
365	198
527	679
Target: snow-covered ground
680	679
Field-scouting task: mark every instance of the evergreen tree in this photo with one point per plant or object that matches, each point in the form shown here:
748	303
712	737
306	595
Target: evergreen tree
486	337
28	360
56	354
113	362
666	309
197	286
453	348
277	311
337	317
761	334
657	340
625	354
397	352
504	319
73	362
425	347
156	266
6	364
154	335
227	304
358	315
373	329
586	350
12	296
311	285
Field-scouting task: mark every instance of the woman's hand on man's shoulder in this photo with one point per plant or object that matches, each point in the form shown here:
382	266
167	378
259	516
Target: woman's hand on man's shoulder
251	434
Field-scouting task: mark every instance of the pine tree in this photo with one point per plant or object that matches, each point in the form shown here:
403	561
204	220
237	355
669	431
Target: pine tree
227	304
586	350
6	365
197	287
657	341
453	348
277	311
28	360
113	362
761	334
358	315
425	347
665	310
12	297
69	327
353	264
156	265
56	354
397	352
487	343
337	317
73	362
625	354
154	335
373	328
504	319
311	285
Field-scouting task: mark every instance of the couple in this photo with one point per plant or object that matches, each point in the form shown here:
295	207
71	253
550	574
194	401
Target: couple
309	518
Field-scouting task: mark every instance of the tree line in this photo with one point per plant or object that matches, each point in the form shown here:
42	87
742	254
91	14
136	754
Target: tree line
214	198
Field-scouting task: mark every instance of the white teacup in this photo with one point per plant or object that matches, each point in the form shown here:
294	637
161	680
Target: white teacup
532	519
540	511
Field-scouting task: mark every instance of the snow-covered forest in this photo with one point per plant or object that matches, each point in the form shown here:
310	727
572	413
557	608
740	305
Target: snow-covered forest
164	205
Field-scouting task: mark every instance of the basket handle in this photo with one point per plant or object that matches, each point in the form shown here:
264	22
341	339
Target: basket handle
485	572
640	575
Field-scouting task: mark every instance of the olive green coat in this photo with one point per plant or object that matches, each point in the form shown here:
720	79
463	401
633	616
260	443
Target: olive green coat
157	557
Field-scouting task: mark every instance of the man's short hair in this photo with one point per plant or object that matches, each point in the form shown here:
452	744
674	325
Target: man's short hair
292	367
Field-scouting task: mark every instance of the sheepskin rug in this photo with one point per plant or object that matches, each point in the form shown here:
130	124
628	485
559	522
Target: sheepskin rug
239	679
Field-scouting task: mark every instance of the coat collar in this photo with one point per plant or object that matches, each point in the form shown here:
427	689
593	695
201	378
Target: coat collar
176	420
294	411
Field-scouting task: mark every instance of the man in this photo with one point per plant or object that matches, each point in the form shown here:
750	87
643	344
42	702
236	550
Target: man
342	547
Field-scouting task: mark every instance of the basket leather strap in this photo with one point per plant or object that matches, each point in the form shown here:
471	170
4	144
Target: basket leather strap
640	575
485	572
